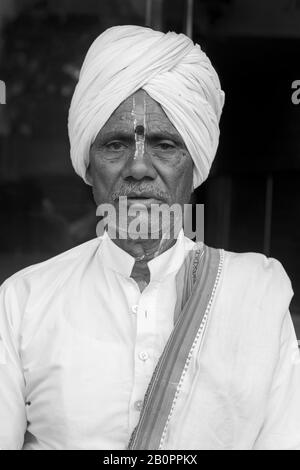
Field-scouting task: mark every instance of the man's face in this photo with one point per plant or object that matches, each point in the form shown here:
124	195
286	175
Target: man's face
162	174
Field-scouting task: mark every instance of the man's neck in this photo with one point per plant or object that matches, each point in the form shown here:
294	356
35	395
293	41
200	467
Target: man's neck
144	251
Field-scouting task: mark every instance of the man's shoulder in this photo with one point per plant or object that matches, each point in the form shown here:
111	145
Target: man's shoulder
255	264
54	267
256	274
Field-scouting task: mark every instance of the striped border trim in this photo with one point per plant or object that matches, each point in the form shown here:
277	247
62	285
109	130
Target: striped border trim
161	395
199	332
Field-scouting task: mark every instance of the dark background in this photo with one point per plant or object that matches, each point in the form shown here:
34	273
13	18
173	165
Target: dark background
252	197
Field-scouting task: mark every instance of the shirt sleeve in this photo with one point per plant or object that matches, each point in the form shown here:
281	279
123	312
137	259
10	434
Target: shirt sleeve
12	386
281	428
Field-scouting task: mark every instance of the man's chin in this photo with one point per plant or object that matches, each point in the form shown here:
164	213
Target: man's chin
142	231
134	233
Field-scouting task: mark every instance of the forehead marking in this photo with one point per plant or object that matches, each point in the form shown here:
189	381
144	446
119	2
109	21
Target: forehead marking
139	123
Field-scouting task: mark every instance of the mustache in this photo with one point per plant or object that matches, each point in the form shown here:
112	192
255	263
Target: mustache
139	189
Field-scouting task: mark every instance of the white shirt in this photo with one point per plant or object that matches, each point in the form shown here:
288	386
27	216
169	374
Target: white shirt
241	387
79	343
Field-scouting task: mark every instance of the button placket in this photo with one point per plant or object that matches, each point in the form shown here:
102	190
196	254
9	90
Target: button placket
135	309
143	351
143	356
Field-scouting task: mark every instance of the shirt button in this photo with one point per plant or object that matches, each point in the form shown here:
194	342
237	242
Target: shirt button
134	309
143	356
138	405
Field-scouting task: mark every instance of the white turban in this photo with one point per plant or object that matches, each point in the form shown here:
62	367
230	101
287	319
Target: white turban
173	70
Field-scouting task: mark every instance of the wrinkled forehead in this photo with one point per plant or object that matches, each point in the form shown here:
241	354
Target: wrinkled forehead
144	109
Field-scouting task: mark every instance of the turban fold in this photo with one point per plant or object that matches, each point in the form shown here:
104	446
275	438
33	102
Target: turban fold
173	70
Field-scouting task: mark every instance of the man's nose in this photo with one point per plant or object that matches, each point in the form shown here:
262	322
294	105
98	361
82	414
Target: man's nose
139	168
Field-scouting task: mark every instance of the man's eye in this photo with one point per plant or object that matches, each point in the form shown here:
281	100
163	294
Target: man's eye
115	146
165	145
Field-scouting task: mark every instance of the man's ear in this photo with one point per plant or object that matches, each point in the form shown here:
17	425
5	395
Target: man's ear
192	195
88	175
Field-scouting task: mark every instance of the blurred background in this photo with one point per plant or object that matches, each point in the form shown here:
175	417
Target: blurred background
252	197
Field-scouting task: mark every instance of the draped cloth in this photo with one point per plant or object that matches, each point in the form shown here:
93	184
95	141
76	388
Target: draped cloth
199	275
173	70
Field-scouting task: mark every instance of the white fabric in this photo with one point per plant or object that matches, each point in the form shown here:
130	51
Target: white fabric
242	389
170	68
80	324
71	345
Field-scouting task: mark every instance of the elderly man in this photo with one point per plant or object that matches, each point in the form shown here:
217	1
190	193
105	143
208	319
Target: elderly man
147	342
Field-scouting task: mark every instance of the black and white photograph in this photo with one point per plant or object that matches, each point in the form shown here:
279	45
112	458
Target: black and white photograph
149	227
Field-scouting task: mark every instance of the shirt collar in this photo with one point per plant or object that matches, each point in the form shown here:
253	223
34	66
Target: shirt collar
117	259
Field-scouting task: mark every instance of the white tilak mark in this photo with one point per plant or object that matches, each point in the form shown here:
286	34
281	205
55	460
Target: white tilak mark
139	114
